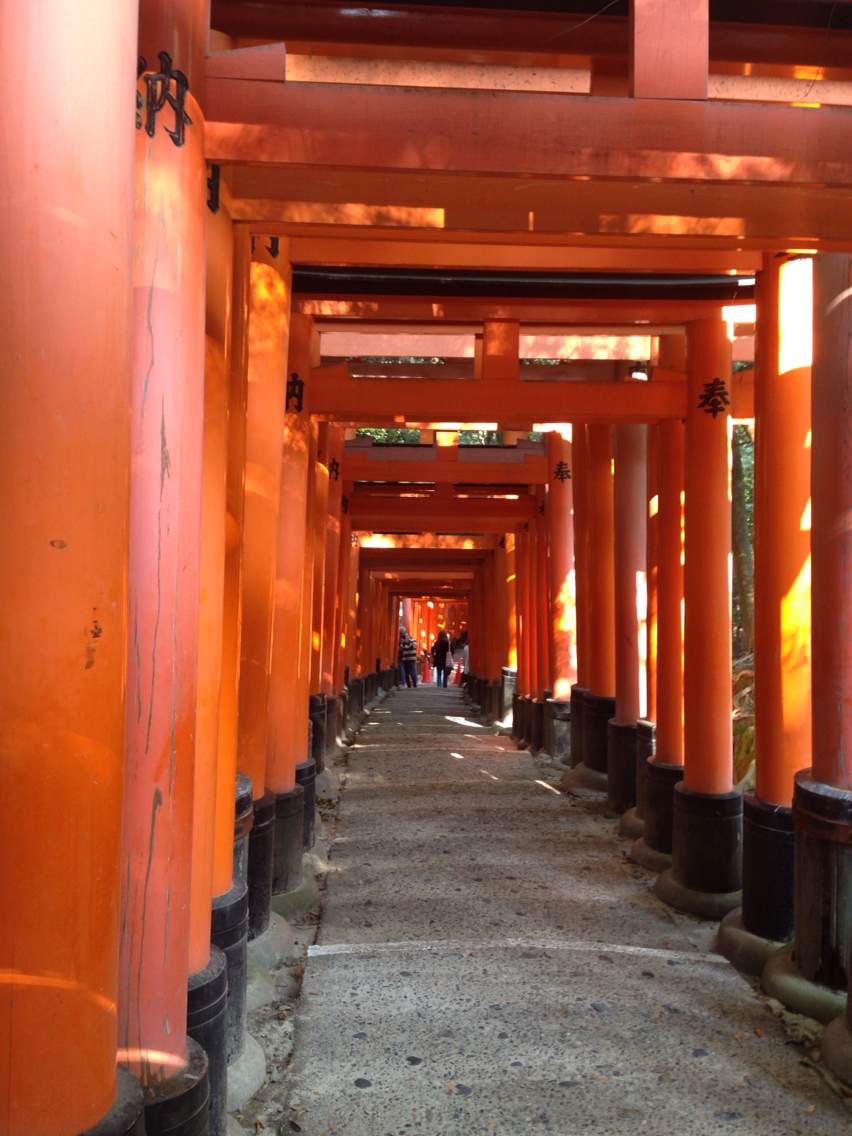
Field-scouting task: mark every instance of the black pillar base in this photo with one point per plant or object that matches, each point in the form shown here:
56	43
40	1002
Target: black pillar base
508	682
822	936
705	878
622	747
632	823
536	734
288	842
560	729
547	722
768	855
126	1117
578	697
261	847
243	823
783	980
316	713
180	1106
306	776
746	951
332	727
206	1011
660	781
230	935
597	711
516	717
526	721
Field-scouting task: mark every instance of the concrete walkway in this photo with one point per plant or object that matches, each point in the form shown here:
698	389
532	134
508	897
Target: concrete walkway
490	963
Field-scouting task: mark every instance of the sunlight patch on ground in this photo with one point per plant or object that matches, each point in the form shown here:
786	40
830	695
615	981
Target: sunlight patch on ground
549	788
464	722
457	756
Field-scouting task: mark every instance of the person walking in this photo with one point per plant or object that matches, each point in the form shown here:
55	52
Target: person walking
442	657
408	658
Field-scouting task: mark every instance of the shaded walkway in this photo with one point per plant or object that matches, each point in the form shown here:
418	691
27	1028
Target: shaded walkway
489	962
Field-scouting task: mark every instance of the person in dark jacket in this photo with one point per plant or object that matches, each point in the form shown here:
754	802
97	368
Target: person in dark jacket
442	657
408	658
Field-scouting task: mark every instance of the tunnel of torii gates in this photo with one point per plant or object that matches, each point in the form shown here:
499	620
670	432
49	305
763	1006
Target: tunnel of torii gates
204	567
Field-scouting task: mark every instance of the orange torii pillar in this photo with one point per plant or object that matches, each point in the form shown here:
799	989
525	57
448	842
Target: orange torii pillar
500	617
317	521
64	473
518	704
510	663
579	500
268	336
631	506
707	814
289	766
541	615
782	650
208	981
599	701
661	743
652	556
824	794
563	608
331	531
527	670
167	420
344	557
814	978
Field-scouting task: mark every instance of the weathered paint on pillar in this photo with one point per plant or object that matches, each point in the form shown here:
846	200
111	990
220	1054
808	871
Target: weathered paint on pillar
630	507
831	509
708	743
64	480
287	731
782	545
669	733
165	521
563	621
601	560
268	332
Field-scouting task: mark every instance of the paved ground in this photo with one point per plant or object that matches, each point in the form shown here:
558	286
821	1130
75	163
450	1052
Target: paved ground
490	963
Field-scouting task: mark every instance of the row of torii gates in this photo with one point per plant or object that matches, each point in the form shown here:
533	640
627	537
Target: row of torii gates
203	567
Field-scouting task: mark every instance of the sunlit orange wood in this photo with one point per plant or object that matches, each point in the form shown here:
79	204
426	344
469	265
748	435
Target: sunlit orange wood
165	519
64	477
287	739
269	320
511	601
669	717
652	551
319	520
669	49
342	596
630	508
562	575
782	546
601	562
831	508
223	854
707	597
543	605
500	349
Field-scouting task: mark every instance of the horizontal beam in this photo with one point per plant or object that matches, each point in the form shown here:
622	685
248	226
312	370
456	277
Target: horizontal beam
512	404
443	252
445	465
482	34
422	515
526	134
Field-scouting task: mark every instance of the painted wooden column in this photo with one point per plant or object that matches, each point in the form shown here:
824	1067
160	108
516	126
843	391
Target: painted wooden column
822	799
652	556
541	614
782	649
599	702
319	516
167	421
287	758
662	745
341	615
332	558
579	502
64	471
707	811
563	614
630	508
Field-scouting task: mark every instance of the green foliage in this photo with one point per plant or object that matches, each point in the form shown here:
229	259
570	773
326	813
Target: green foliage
390	435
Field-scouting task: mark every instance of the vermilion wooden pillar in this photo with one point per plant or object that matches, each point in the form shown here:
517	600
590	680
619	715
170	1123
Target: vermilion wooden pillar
166	491
707	817
579	499
332	557
631	505
562	575
782	649
599	702
287	731
652	552
341	613
65	394
822	800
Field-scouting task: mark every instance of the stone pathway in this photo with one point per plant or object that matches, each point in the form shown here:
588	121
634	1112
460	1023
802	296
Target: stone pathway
489	962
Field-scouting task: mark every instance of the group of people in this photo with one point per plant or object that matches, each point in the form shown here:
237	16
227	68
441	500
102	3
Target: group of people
445	655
